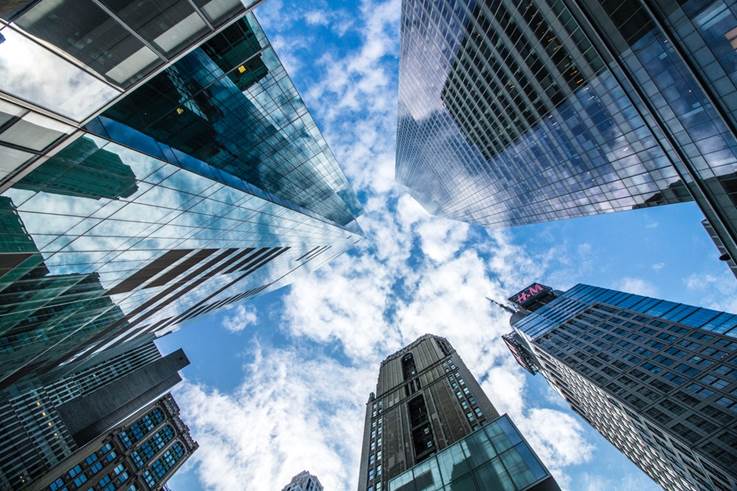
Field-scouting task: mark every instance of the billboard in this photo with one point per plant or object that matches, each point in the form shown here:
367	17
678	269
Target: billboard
527	296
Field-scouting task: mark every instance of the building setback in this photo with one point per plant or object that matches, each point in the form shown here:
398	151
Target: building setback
429	424
188	175
304	481
141	453
44	421
658	379
513	113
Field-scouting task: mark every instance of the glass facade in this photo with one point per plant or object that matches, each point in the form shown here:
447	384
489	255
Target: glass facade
206	184
580	297
521	112
62	62
493	457
658	379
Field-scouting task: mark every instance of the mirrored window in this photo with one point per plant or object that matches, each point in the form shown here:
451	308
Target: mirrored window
86	32
41	77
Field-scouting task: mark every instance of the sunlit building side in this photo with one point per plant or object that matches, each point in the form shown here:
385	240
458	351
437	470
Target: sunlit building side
658	379
513	113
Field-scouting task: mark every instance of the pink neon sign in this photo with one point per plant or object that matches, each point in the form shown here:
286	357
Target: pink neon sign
529	293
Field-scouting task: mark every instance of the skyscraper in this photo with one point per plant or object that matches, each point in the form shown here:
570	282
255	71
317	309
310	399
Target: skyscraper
64	62
44	421
658	379
430	425
304	481
520	112
142	452
194	176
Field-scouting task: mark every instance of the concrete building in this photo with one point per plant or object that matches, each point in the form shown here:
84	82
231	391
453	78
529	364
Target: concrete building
43	422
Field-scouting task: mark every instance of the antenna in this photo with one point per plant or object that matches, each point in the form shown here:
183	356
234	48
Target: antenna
503	306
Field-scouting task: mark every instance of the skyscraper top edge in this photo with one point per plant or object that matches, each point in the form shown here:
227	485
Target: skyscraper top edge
410	346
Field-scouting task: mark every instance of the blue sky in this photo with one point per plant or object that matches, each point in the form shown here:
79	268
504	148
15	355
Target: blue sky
278	384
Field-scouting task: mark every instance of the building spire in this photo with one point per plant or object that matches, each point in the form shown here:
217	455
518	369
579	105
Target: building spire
502	305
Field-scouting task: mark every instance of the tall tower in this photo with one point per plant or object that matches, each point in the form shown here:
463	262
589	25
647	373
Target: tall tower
183	173
658	379
304	481
430	424
513	113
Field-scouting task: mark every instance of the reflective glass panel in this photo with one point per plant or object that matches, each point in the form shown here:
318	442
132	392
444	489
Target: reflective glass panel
453	462
35	74
89	34
168	24
34	131
11	159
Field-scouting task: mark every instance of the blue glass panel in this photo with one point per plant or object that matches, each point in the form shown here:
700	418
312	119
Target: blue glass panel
658	309
700	317
680	312
629	301
618	298
726	327
645	304
452	462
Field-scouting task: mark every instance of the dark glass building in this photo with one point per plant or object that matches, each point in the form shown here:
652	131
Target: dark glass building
658	379
45	421
189	174
513	113
140	454
430	426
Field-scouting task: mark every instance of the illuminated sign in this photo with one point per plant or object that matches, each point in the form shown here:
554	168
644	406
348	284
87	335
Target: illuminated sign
529	294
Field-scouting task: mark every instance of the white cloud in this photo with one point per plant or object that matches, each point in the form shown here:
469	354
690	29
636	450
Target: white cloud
556	437
637	286
317	17
658	266
441	240
412	275
243	317
700	281
592	482
718	291
287	417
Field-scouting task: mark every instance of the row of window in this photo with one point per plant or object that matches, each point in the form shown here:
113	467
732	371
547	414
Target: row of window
146	451
161	466
642	442
140	428
79	474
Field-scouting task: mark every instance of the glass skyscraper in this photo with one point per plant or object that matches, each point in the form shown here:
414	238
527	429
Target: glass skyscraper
430	426
161	166
520	112
658	379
